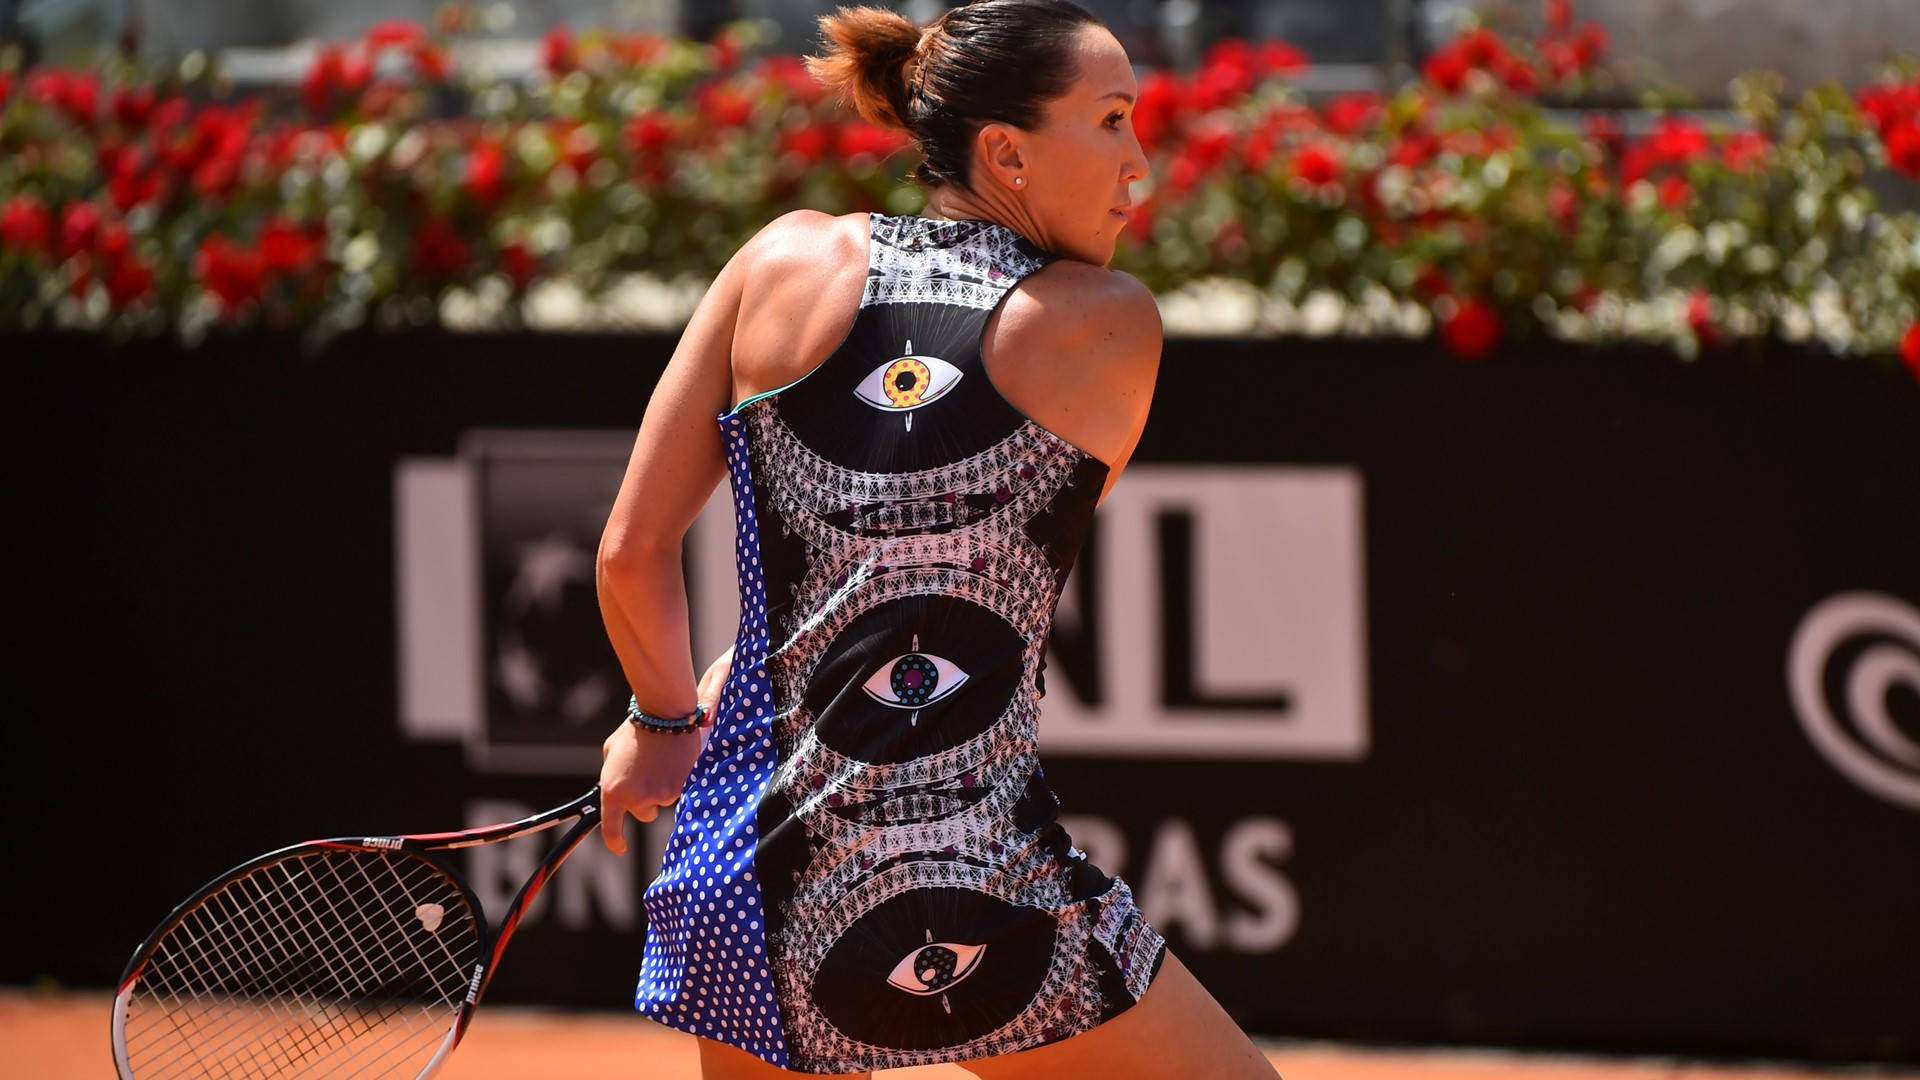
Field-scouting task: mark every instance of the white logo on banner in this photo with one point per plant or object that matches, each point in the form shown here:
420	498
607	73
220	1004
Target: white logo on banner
1847	655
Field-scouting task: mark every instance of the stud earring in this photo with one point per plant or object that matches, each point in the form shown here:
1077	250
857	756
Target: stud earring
1019	179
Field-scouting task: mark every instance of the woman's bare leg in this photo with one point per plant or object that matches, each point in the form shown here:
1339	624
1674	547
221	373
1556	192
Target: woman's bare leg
1175	1030
719	1061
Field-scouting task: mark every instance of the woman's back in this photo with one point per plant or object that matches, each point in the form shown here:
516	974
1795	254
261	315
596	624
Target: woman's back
1073	346
868	851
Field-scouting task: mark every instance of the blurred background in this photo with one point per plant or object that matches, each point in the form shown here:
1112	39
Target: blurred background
1507	634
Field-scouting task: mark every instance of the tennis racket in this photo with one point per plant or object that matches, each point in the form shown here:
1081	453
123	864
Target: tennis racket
360	956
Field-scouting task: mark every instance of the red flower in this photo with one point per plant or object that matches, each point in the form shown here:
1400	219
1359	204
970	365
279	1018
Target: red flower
1700	319
486	174
859	138
217	177
1518	75
1414	148
809	143
1158	107
1903	147
131	188
1603	129
432	61
519	263
1559	14
1473	333
438	250
129	280
1561	60
25	224
1182	174
1482	48
1140	221
726	48
1351	114
1744	151
6	86
1888	104
557	53
1281	58
399	33
1678	140
1209	144
1590	44
1564	205
79	228
642	47
133	106
649	131
116	240
75	93
725	106
285	248
1910	349
1318	163
323	76
1676	193
234	275
791	74
1447	69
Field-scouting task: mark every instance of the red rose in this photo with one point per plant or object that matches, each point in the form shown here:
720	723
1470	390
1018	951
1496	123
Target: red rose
1482	48
234	275
1182	174
25	224
133	188
1518	75
129	280
1910	349
1447	69
1564	205
1559	14
1903	147
649	131
400	33
725	106
1209	144
6	86
1676	193
1318	163
1562	62
116	240
1700	319
809	143
79	228
438	249
1887	105
1156	110
133	106
1281	58
432	61
1350	114
859	138
557	51
1678	140
286	248
726	49
1473	333
486	174
643	47
323	76
1590	44
1745	150
217	177
519	263
356	71
1140	221
1414	148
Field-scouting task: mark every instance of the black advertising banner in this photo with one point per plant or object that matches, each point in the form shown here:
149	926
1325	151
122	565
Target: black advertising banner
1569	700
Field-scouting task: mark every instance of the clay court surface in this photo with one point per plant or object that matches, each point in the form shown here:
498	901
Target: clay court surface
56	1036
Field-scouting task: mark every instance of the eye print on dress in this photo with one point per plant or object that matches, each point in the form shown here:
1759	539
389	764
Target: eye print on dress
905	384
931	969
914	681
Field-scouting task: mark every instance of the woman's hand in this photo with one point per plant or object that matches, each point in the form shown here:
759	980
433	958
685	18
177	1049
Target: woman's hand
641	771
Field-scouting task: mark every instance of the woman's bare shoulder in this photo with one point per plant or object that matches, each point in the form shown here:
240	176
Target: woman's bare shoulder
808	238
1072	308
804	272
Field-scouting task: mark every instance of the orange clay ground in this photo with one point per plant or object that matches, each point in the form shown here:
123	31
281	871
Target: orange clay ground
61	1036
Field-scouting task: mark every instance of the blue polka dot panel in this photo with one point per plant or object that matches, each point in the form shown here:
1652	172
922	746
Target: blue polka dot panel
866	870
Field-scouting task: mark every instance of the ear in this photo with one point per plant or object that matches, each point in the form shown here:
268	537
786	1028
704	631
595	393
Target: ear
1001	151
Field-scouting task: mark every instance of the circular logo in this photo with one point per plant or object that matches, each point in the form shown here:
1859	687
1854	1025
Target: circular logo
1848	655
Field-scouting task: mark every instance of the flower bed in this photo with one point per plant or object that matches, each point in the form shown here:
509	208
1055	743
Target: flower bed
399	184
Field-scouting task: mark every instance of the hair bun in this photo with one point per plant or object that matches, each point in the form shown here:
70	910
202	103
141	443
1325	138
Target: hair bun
867	51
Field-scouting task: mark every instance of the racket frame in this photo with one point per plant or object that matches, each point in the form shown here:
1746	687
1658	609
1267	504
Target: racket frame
585	808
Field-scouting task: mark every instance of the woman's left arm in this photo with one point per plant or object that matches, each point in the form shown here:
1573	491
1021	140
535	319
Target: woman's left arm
677	461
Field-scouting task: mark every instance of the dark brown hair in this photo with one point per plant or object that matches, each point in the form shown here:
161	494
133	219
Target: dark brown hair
993	60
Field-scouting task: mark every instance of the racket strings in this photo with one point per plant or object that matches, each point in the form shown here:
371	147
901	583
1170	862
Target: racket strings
329	962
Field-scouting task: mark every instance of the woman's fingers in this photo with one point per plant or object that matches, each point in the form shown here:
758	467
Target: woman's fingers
612	823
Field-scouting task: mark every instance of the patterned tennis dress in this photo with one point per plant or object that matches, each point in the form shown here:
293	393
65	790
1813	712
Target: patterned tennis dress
865	869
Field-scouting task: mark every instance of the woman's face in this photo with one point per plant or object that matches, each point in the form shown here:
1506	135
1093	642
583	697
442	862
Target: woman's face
1079	163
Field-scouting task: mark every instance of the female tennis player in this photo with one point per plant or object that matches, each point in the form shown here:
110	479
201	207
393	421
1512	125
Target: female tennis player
917	416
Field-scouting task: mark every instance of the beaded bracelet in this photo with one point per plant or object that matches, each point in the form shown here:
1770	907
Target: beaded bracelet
666	725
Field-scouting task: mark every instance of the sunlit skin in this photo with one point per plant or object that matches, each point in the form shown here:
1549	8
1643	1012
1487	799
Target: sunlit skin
1076	168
